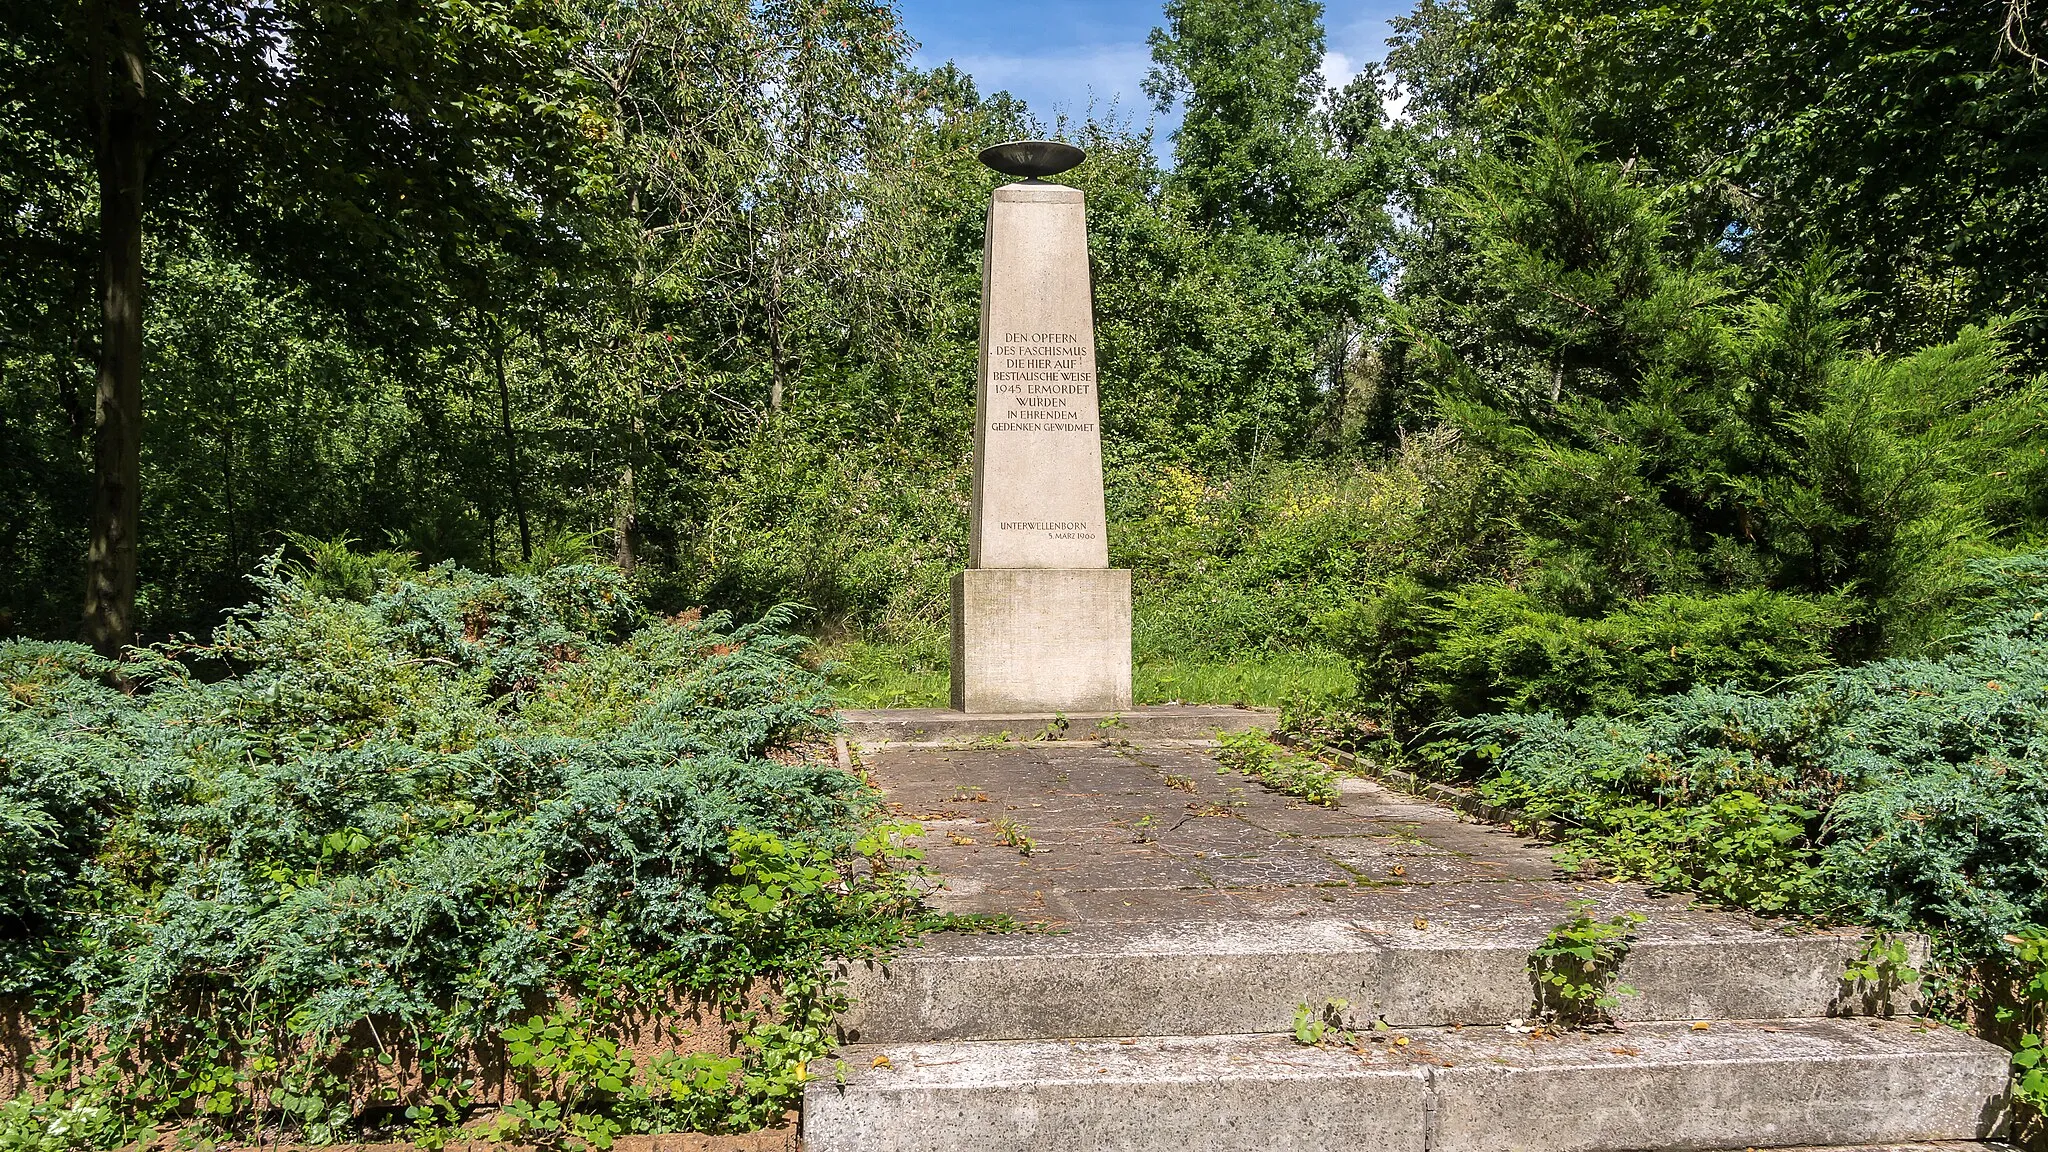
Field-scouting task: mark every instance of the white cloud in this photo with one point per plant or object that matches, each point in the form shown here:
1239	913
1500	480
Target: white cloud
1338	69
1395	103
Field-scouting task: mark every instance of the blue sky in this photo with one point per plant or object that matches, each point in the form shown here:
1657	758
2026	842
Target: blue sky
1059	54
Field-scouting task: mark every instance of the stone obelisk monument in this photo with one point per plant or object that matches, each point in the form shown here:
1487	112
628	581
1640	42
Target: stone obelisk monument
1041	622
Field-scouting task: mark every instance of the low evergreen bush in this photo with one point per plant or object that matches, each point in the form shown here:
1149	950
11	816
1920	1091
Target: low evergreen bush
1904	793
1422	656
416	808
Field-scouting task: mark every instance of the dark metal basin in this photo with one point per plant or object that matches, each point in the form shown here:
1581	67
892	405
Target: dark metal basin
1032	158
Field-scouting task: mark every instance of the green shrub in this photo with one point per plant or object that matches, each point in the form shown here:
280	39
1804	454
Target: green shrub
417	805
1905	793
866	535
1425	656
1251	565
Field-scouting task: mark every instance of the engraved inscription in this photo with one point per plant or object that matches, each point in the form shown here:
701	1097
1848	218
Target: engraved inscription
1035	379
1039	382
1055	529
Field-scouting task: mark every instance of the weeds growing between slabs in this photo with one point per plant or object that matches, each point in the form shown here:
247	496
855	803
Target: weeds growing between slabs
396	818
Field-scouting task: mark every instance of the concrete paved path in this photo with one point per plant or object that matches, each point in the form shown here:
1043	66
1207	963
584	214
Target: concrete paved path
1128	833
1179	915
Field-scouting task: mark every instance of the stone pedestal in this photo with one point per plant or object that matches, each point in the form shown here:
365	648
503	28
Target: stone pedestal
1042	640
1040	621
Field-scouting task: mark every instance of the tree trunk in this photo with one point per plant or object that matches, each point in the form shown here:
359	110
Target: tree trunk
626	519
123	157
511	443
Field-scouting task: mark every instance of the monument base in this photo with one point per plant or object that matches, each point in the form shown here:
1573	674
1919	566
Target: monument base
870	727
1042	640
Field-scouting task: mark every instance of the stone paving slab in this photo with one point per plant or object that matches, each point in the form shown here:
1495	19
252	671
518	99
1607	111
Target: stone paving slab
1160	819
1132	834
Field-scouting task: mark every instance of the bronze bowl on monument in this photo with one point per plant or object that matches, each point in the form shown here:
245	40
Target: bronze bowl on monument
1032	159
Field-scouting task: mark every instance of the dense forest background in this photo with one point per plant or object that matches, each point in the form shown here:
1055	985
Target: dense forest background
1733	301
1643	428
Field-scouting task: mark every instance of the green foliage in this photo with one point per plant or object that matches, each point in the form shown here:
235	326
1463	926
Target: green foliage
1423	657
1883	969
415	804
1259	681
864	536
1782	129
1235	566
1664	437
66	1119
1010	834
2030	1074
1282	769
1906	793
914	674
1574	968
1703	484
1314	1027
1248	149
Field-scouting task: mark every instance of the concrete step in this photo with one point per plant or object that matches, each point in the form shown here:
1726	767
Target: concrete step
1228	977
1665	1086
1916	1146
915	726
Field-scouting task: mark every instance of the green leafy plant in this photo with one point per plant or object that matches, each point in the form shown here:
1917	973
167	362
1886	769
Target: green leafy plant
1904	793
1878	973
1422	657
1011	834
2030	1060
1574	969
1282	769
1314	1027
566	1073
63	1116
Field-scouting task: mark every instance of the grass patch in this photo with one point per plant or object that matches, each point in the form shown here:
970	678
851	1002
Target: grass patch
1261	681
1279	768
915	675
864	675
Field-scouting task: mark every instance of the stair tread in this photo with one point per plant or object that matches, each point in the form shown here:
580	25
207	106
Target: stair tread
1509	924
1179	1058
1729	1085
1246	974
1921	1146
